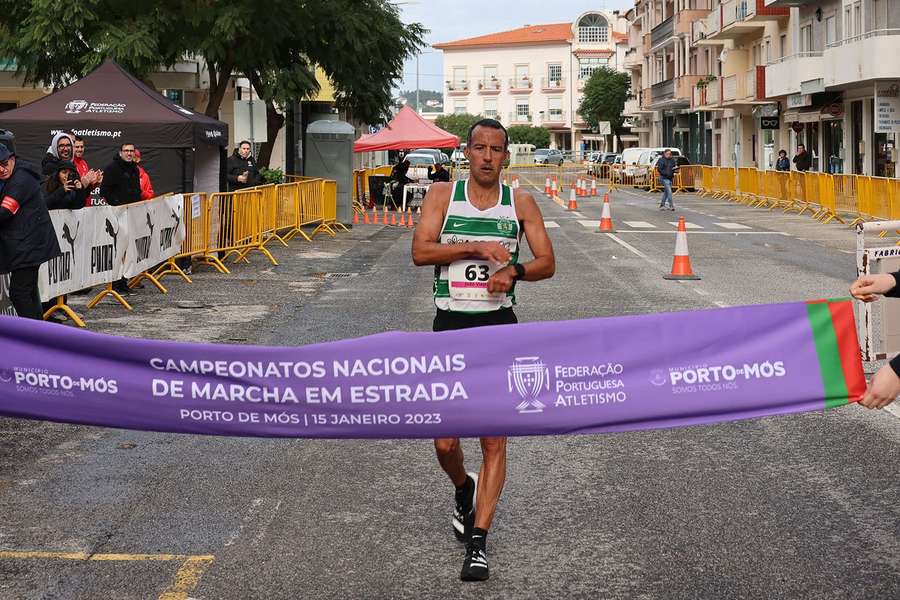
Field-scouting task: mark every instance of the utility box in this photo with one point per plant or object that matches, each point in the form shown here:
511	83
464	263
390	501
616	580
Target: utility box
329	155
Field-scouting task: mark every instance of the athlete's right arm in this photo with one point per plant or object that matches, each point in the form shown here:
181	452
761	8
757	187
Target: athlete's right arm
427	248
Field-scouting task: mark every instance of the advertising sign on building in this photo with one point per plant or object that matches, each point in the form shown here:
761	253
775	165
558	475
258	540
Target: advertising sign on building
887	107
798	100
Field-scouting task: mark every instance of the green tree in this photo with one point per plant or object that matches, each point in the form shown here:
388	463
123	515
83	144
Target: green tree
525	134
604	99
360	44
457	124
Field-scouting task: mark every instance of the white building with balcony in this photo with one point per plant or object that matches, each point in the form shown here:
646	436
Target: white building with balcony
839	52
534	75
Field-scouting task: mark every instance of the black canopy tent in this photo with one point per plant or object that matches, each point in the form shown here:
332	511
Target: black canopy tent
181	150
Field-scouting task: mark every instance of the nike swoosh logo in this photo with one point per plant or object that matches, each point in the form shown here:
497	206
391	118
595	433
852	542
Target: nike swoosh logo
455	225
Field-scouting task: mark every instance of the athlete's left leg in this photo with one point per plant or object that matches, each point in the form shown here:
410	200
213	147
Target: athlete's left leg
490	480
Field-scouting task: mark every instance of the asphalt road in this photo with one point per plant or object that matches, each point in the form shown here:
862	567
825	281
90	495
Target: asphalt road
791	507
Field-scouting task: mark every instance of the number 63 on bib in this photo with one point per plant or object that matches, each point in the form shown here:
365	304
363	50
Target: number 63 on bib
468	280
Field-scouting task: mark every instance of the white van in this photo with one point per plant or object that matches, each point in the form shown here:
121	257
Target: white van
630	158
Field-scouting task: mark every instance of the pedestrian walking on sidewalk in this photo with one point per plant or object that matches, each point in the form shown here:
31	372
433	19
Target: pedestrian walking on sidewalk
470	231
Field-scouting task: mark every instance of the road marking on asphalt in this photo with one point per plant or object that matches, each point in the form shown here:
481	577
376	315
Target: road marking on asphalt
732	226
626	245
551	224
577	214
720	304
701	292
894	409
193	566
640	224
687	225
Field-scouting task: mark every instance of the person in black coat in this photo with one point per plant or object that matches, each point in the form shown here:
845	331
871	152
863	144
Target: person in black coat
242	170
121	178
63	189
61	148
27	238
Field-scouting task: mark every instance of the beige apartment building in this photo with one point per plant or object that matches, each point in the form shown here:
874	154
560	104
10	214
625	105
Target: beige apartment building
535	75
733	82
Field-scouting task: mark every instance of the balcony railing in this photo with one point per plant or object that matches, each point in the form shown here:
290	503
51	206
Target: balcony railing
729	88
555	117
520	84
713	22
456	87
489	86
665	90
518	119
553	83
863	36
662	32
714	92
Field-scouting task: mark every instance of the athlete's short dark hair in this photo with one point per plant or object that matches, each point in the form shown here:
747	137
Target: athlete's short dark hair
493	124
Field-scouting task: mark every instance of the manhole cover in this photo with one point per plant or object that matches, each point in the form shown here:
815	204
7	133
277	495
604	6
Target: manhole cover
190	304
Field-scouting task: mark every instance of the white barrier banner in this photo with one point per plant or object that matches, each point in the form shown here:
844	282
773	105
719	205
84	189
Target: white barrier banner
103	243
65	273
155	233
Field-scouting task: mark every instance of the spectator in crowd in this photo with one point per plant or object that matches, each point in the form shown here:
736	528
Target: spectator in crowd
782	164
802	159
61	148
122	185
90	179
242	171
146	185
439	173
63	190
27	238
121	179
398	180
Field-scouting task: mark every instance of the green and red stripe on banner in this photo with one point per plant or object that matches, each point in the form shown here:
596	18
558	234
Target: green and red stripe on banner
837	345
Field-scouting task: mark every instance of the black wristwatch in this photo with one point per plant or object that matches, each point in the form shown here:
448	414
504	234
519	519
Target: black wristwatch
520	271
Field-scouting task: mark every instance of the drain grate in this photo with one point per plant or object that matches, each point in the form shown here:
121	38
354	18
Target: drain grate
336	275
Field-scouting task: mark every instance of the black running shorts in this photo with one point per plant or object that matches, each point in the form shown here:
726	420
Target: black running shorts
446	320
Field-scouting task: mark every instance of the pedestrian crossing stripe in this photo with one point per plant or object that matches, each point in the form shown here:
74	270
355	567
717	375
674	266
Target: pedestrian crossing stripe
639	224
687	225
732	226
551	224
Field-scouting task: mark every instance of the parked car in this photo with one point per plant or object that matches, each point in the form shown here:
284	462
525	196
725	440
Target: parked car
601	158
625	169
548	156
420	160
458	158
439	156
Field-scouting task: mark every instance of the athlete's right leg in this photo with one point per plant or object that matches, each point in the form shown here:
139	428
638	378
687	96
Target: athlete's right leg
450	456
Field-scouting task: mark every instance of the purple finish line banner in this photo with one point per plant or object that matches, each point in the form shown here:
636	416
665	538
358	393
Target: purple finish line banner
588	376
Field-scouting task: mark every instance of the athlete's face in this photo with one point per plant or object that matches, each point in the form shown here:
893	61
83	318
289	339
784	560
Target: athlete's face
486	154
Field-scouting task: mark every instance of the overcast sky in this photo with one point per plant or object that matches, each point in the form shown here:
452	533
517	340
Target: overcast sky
449	20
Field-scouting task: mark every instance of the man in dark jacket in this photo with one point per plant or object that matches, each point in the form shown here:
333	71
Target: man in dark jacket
122	185
666	167
27	238
802	159
121	179
242	171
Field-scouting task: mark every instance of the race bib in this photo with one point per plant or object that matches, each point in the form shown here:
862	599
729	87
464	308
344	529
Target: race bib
468	280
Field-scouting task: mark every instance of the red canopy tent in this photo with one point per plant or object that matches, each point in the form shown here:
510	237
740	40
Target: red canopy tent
406	131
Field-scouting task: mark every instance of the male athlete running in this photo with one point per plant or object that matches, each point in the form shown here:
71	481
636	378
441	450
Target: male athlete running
470	232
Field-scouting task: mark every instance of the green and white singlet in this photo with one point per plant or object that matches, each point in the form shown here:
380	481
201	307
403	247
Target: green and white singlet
464	223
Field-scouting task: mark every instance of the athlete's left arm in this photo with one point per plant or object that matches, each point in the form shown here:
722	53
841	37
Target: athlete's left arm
543	266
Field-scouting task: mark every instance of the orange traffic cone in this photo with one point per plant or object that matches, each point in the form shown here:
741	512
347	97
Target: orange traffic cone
402	219
681	263
581	187
375	216
366	220
553	190
593	187
355	218
606	196
606	224
573	205
515	184
393	218
547	187
409	222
